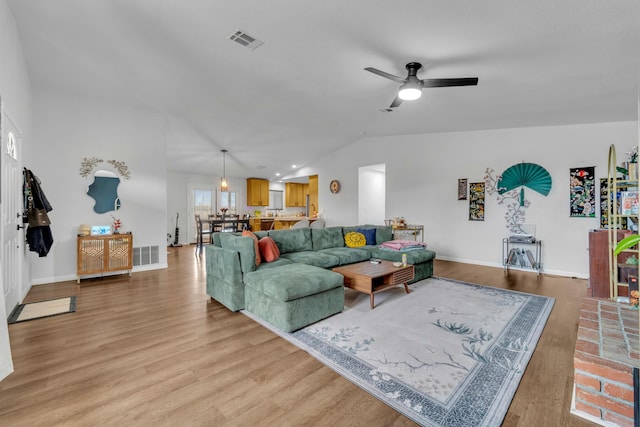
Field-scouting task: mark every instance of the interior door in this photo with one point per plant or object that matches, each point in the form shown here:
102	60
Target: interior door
11	202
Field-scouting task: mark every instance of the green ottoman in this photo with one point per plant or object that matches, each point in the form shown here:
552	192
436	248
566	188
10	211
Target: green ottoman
293	296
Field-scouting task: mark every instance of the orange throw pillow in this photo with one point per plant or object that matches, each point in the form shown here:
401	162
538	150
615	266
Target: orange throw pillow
255	244
268	249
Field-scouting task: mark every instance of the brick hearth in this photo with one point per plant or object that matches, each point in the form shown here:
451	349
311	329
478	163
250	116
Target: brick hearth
607	349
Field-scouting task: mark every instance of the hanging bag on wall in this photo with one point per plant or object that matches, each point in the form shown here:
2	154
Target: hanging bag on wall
38	218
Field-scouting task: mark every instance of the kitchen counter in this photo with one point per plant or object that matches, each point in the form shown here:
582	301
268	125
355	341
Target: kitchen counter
284	222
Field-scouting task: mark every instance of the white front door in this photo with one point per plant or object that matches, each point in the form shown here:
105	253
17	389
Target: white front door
11	218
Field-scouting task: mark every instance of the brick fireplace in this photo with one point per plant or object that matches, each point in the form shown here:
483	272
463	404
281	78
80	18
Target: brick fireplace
607	350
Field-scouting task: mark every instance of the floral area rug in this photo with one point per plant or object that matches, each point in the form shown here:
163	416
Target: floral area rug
447	354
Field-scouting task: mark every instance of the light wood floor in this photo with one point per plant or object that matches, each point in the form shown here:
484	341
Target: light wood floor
154	350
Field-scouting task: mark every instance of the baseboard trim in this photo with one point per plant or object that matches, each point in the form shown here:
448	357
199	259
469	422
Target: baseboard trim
67	277
497	265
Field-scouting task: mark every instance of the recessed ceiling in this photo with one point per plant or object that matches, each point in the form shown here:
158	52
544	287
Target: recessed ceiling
304	94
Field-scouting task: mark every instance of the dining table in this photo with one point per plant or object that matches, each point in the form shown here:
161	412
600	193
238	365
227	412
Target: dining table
227	224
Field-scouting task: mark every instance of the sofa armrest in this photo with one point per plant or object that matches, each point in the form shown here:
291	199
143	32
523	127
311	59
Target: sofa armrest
223	264
244	246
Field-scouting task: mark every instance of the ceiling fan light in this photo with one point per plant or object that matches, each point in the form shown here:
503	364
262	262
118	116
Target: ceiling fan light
409	92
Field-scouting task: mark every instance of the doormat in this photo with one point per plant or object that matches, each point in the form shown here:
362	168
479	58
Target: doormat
38	310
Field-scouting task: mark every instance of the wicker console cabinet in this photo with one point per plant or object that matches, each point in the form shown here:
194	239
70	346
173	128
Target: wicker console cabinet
102	254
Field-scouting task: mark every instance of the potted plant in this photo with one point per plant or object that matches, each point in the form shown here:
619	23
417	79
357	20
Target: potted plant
626	243
633	162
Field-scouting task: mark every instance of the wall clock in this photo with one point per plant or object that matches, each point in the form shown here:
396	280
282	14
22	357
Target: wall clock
334	186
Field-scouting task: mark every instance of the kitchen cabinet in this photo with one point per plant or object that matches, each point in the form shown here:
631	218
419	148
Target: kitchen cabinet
313	194
296	194
257	192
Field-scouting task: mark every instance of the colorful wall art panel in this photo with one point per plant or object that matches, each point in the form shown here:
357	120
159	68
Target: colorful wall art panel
476	201
582	192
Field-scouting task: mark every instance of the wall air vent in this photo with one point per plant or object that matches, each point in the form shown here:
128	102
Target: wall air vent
246	40
146	255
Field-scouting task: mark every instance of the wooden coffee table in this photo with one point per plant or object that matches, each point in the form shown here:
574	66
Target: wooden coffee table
371	278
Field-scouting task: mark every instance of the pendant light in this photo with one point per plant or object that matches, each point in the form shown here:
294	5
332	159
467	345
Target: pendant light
224	182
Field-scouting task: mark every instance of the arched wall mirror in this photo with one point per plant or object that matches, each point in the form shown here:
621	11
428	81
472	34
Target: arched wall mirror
104	190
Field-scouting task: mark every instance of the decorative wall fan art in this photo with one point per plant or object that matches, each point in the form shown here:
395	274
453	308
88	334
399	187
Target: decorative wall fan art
506	186
527	175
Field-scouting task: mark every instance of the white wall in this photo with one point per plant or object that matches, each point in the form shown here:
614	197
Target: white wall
422	174
371	194
15	91
68	128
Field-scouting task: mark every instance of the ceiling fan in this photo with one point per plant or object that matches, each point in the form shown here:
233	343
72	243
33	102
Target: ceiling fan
411	87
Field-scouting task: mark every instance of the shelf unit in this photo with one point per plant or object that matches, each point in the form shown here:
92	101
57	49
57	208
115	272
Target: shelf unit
101	254
519	255
617	217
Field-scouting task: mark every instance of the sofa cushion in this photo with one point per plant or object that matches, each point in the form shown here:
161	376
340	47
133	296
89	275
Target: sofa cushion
248	233
348	255
268	249
369	235
244	246
384	233
330	237
261	234
349	229
415	256
292	240
315	258
293	281
277	263
355	240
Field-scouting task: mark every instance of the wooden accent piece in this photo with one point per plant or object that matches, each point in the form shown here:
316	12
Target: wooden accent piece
313	194
370	278
166	353
295	194
599	262
102	254
257	192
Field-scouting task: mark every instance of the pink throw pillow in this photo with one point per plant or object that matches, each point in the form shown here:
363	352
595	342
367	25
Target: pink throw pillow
268	249
255	244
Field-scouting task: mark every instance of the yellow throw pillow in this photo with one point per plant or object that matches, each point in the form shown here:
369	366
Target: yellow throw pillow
355	240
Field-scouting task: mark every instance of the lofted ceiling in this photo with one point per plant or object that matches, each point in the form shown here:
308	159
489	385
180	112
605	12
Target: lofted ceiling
304	94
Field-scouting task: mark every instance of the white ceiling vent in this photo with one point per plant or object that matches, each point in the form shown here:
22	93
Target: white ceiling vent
246	40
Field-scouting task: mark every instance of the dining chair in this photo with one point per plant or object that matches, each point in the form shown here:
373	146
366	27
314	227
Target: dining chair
229	223
202	231
318	223
301	224
267	224
215	227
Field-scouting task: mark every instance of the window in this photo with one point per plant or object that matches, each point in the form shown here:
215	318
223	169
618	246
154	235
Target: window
228	200
202	202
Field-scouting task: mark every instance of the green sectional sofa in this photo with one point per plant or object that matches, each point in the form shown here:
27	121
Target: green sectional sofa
299	287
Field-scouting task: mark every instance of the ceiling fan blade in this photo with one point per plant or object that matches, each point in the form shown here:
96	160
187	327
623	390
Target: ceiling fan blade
385	75
396	102
465	81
